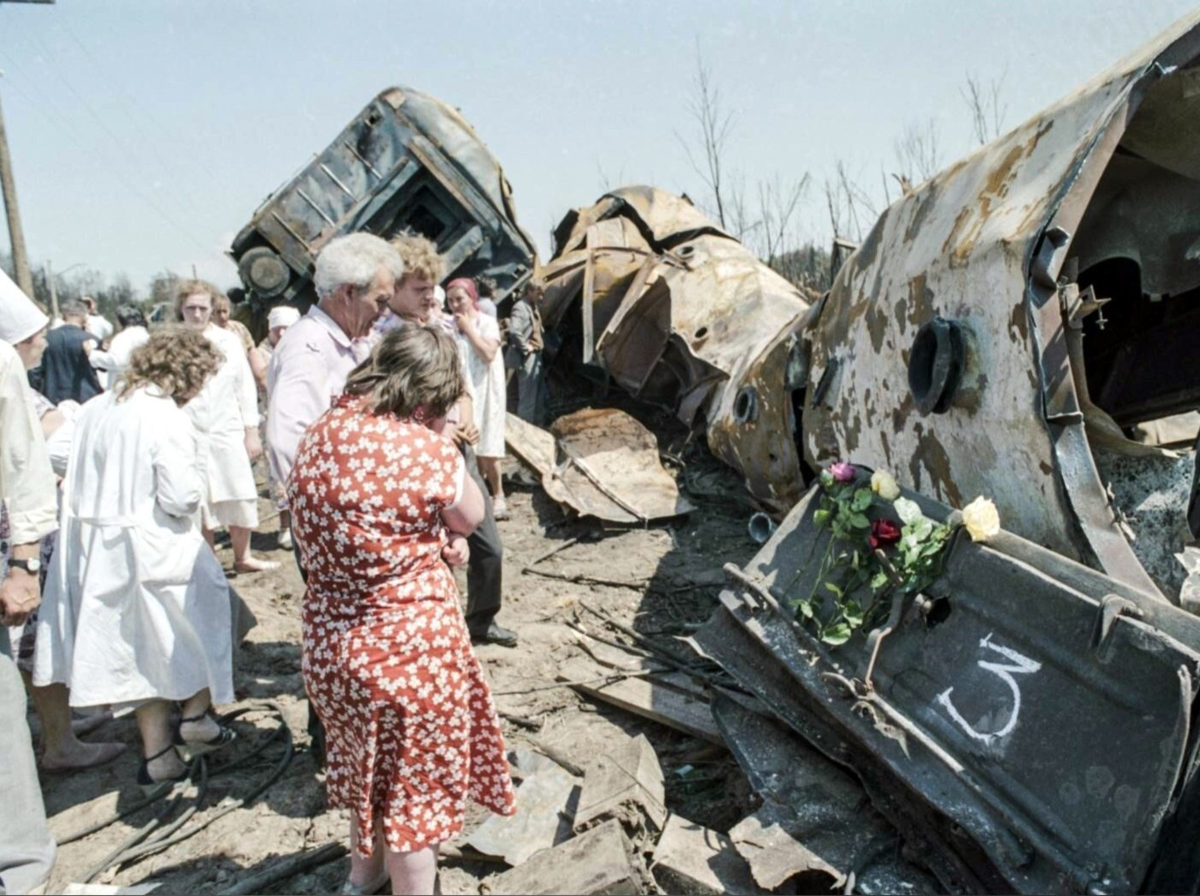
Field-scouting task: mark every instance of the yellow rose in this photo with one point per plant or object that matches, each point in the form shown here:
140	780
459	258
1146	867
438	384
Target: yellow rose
884	485
981	519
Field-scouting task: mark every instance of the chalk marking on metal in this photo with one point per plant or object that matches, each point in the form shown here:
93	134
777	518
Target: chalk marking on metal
1021	665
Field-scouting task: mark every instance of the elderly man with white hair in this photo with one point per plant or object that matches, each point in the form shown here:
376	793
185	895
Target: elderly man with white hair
354	278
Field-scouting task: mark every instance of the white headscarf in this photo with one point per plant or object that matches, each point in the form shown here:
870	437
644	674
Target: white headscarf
19	317
282	316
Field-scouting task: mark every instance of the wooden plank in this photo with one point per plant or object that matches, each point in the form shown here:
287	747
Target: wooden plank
675	705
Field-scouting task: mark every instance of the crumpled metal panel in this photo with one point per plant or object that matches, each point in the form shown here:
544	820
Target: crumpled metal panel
812	821
679	313
1034	719
600	462
983	243
407	161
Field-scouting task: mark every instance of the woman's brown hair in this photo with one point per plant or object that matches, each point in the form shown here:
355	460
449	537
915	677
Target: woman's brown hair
177	361
414	367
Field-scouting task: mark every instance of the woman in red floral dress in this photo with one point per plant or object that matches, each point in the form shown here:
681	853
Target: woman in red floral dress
380	505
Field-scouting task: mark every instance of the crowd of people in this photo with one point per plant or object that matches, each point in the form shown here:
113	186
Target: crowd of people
380	416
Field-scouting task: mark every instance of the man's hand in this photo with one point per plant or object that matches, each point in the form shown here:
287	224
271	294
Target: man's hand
466	433
253	445
19	596
457	552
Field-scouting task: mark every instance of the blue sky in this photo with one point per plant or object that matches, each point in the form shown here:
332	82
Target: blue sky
145	132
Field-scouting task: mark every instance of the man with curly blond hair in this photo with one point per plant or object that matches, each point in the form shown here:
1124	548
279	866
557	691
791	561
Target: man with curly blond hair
415	301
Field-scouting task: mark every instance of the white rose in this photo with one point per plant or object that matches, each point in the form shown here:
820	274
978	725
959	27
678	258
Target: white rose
884	485
981	519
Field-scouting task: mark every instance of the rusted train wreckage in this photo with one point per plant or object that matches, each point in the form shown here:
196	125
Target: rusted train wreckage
407	162
1021	326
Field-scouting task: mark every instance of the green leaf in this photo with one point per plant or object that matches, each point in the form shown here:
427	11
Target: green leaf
853	614
836	635
880	579
908	510
859	521
821	518
862	499
827	479
835	589
854	561
803	608
923	528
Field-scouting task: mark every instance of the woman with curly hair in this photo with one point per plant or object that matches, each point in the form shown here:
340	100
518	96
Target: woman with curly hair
136	612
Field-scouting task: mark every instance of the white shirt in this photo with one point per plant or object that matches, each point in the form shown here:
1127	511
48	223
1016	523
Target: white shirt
26	481
98	326
116	360
308	371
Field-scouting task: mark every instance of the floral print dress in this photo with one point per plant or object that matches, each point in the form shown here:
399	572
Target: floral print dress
411	729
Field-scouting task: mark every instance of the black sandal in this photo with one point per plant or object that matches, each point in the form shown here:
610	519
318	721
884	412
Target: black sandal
148	785
189	750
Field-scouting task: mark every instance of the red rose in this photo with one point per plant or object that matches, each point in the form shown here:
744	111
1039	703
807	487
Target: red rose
884	533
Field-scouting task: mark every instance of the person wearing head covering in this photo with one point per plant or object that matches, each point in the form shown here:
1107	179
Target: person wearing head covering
23	326
278	320
27	491
133	333
479	342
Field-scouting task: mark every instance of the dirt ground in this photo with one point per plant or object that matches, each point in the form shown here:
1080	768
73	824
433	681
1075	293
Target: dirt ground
674	575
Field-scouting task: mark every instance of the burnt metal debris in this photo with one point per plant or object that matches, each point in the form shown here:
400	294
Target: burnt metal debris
1026	724
1005	325
408	161
646	287
1021	326
600	462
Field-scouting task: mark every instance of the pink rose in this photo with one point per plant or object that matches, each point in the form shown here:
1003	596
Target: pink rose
884	533
842	472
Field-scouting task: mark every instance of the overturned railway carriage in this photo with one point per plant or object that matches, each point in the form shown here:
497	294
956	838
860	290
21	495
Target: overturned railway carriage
1023	326
407	162
681	314
1006	326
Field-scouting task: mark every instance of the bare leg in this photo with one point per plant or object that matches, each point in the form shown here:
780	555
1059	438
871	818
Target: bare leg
61	749
243	560
211	538
413	873
205	728
490	468
154	723
363	871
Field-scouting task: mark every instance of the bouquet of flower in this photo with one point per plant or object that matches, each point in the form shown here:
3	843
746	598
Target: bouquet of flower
881	545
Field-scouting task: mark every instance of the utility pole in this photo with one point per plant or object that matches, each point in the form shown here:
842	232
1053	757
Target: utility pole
54	315
9	188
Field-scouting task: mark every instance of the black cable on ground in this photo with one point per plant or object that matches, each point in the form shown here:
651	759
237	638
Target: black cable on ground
142	844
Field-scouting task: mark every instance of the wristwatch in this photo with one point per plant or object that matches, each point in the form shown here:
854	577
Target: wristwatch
32	566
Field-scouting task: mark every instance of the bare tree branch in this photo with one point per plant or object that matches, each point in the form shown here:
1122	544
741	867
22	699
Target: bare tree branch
777	205
918	152
714	125
987	112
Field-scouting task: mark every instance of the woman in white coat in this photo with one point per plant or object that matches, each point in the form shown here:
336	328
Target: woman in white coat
225	414
136	611
479	345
